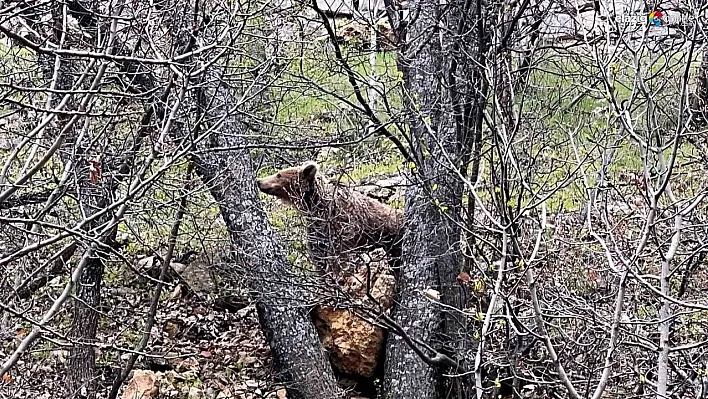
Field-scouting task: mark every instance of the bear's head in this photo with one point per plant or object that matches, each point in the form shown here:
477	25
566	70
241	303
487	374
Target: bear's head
291	185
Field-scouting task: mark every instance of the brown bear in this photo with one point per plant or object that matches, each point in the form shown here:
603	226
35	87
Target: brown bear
338	219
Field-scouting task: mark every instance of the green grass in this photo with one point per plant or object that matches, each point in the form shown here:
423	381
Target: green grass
314	83
552	104
384	169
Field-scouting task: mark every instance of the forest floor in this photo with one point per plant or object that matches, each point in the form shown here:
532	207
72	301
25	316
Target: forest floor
197	348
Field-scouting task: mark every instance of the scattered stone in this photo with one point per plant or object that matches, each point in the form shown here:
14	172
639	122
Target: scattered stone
195	393
176	293
146	263
197	274
386	190
432	294
142	386
250	360
189	364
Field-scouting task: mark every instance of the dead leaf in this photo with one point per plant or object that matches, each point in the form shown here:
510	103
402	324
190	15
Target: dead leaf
176	293
7	379
281	393
94	170
463	276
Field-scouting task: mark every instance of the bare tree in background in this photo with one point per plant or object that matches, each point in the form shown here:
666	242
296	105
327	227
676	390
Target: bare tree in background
76	143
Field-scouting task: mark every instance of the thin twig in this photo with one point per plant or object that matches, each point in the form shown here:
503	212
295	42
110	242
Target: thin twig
150	320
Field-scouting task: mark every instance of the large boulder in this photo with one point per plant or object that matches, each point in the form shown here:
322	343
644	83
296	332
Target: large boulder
353	343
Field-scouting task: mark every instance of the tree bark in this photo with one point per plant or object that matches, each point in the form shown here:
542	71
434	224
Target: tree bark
298	356
443	99
92	197
81	365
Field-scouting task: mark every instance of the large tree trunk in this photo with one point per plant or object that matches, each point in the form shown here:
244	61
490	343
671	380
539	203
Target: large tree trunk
442	101
406	375
280	301
294	343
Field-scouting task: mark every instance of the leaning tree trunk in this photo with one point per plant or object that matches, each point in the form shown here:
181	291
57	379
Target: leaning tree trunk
294	343
280	301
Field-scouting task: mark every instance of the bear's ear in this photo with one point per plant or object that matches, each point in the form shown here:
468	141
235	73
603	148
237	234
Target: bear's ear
309	170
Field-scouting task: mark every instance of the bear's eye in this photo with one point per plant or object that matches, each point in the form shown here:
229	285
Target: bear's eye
278	175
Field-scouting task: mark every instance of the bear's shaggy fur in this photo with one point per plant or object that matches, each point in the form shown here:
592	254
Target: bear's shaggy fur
338	219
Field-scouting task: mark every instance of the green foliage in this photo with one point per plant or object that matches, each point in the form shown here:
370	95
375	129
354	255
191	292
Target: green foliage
397	203
110	274
282	217
647	312
43	352
368	171
131	337
164	296
107	357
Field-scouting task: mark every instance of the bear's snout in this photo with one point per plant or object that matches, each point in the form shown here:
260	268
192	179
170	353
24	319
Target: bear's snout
280	185
261	185
265	186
